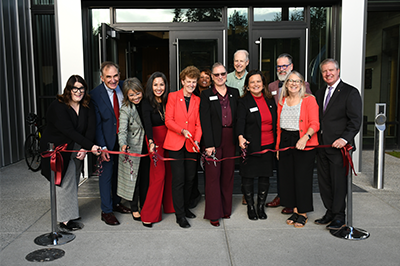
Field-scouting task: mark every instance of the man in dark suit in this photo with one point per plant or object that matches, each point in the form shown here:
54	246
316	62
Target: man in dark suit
107	99
340	113
284	66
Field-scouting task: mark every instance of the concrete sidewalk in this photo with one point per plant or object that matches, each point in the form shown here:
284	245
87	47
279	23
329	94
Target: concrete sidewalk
25	214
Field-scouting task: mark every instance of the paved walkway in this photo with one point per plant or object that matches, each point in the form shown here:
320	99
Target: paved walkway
25	214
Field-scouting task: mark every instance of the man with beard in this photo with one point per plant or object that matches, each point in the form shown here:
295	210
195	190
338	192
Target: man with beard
284	67
236	78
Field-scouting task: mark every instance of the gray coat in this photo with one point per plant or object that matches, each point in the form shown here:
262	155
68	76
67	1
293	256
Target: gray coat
131	133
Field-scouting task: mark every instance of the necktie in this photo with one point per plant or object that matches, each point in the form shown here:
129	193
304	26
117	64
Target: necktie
328	97
116	108
280	84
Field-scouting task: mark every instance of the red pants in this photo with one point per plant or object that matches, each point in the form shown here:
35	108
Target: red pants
219	179
160	179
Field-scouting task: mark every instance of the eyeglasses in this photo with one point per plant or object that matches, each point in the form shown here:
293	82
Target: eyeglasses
282	66
223	74
297	81
75	89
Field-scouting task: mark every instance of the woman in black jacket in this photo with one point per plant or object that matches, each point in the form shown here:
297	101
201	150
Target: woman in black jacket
256	131
70	120
218	108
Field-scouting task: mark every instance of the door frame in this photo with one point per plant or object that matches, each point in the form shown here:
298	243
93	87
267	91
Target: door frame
176	35
302	33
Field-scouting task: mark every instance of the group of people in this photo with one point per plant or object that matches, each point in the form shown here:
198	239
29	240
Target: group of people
214	113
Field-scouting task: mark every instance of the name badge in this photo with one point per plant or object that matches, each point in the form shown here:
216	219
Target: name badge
273	92
254	109
213	98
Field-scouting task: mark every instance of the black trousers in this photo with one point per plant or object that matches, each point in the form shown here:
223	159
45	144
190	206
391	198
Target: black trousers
183	174
332	180
296	168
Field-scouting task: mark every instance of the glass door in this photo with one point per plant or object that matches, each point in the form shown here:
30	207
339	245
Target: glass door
199	48
269	44
108	41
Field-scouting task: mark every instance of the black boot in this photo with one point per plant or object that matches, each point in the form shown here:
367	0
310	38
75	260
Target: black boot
263	186
249	196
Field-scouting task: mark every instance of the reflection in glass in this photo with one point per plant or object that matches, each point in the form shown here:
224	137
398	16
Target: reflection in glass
268	14
296	13
318	46
200	53
100	16
237	32
46	71
168	15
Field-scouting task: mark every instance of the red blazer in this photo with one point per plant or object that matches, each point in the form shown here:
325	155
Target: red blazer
309	117
178	118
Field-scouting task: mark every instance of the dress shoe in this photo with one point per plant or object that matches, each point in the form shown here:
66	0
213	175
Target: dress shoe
276	202
182	222
324	220
287	211
109	218
226	217
335	225
189	214
71	225
121	208
148	225
244	202
214	223
137	218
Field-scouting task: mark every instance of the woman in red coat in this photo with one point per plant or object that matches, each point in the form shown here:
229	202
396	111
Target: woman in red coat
183	122
298	121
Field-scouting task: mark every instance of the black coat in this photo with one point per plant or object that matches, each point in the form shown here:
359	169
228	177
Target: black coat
249	123
342	117
63	125
211	116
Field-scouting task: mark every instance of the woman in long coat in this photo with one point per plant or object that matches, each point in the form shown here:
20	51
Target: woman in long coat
130	139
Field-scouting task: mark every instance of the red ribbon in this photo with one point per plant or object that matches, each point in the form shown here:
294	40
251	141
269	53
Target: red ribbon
56	162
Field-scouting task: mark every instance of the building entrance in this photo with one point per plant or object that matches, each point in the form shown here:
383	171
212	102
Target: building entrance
140	53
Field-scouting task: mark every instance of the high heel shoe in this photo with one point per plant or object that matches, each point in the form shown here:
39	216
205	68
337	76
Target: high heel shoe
149	225
137	218
214	223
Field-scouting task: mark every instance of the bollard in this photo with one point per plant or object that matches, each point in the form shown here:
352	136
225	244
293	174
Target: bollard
379	145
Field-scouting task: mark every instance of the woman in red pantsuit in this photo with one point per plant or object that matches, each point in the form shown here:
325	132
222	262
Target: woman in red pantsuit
218	115
153	110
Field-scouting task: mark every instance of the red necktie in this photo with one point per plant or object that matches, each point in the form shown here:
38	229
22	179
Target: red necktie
116	109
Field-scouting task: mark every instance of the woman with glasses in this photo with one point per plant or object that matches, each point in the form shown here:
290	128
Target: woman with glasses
256	131
298	121
70	120
218	108
184	132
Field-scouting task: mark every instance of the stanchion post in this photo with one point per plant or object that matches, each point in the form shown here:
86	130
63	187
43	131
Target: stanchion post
348	231
379	144
56	237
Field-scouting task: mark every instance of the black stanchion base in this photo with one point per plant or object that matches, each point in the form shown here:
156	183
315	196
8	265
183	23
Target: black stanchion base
54	238
46	254
350	233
